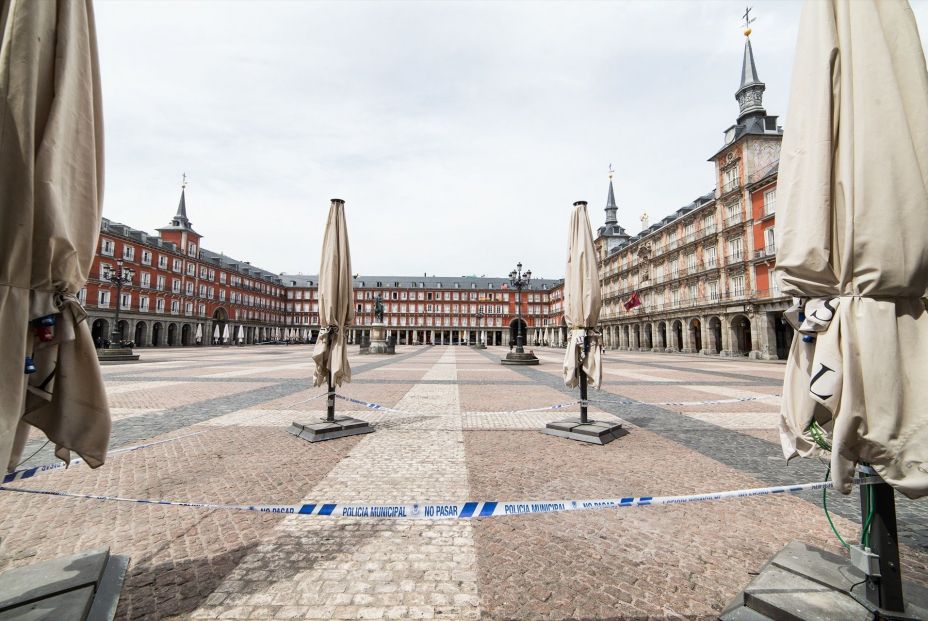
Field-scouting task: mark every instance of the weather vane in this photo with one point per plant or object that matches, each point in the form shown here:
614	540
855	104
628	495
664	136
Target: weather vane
748	20
183	183
610	172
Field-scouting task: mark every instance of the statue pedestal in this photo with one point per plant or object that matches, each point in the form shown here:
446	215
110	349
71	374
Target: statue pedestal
378	339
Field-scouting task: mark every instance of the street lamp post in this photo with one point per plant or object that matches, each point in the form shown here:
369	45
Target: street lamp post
121	276
117	348
519	280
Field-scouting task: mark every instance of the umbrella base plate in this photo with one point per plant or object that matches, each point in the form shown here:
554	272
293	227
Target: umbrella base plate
329	430
593	431
517	358
803	582
69	588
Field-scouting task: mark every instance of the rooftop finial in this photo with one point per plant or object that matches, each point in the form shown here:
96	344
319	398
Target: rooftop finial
748	20
183	183
611	172
644	220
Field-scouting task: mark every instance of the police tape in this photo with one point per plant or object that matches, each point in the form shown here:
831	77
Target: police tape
706	402
25	473
465	510
370	405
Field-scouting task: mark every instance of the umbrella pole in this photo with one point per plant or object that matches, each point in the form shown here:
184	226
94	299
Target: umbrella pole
330	400
586	352
885	590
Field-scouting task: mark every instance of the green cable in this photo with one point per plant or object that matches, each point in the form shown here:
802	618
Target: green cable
865	533
828	515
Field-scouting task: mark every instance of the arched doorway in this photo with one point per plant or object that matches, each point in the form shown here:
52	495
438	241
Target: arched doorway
517	328
715	335
677	328
696	335
648	341
741	335
636	337
220	317
185	334
172	334
157	338
100	330
141	331
662	335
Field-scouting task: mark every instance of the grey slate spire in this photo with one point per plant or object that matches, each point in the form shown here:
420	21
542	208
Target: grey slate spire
180	221
750	94
611	207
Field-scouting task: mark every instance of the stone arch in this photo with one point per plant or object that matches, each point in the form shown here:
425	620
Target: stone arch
518	327
157	334
186	335
141	333
662	335
99	330
172	334
648	337
676	334
695	331
740	335
636	337
714	346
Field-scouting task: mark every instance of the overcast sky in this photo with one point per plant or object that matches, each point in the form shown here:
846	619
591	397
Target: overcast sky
459	134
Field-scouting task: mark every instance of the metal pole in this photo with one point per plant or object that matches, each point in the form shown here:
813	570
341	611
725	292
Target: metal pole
885	590
116	334
330	400
519	339
586	351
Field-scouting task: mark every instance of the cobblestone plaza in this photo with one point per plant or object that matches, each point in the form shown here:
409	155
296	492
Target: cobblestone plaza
458	444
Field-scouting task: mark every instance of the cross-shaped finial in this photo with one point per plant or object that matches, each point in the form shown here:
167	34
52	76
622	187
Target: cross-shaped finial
611	172
183	183
748	20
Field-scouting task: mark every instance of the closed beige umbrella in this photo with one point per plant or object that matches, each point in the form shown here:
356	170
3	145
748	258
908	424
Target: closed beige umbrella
336	304
51	181
852	242
582	302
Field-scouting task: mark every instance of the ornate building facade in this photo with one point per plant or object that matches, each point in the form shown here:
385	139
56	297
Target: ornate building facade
703	275
181	294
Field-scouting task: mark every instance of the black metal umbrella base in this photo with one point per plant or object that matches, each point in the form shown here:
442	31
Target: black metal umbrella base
804	583
341	427
517	358
592	431
68	588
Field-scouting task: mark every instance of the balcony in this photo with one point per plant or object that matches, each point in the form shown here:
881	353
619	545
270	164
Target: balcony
709	230
731	186
766	252
733	219
734	257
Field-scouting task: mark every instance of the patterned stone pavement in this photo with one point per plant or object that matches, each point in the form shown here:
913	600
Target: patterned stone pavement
459	441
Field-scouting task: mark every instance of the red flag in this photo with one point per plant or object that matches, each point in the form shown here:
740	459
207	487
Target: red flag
632	301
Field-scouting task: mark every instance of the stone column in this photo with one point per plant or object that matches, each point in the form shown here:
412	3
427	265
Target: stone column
687	336
727	344
704	333
764	340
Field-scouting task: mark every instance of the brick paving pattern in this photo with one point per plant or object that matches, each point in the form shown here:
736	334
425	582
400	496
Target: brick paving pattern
454	441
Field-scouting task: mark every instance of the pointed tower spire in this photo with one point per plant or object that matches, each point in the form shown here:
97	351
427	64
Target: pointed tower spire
182	205
611	207
750	95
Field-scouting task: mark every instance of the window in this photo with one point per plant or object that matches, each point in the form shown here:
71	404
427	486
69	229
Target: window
146	257
107	247
192	249
222	278
770	202
159	305
105	270
202	291
710	256
160	286
734	249
732	213
202	310
177	265
191	269
730	179
714	290
691	262
737	286
143	304
175	285
174	307
708	223
125	301
162	262
146	280
189	288
82	296
188	308
103	298
693	291
128	253
770	241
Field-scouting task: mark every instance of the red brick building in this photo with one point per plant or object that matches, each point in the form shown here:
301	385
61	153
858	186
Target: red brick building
181	294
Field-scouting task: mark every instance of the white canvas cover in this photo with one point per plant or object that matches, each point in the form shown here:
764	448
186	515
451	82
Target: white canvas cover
51	190
336	300
852	241
582	301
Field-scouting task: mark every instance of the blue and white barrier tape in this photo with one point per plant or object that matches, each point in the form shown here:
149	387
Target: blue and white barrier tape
25	473
707	402
464	510
370	405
